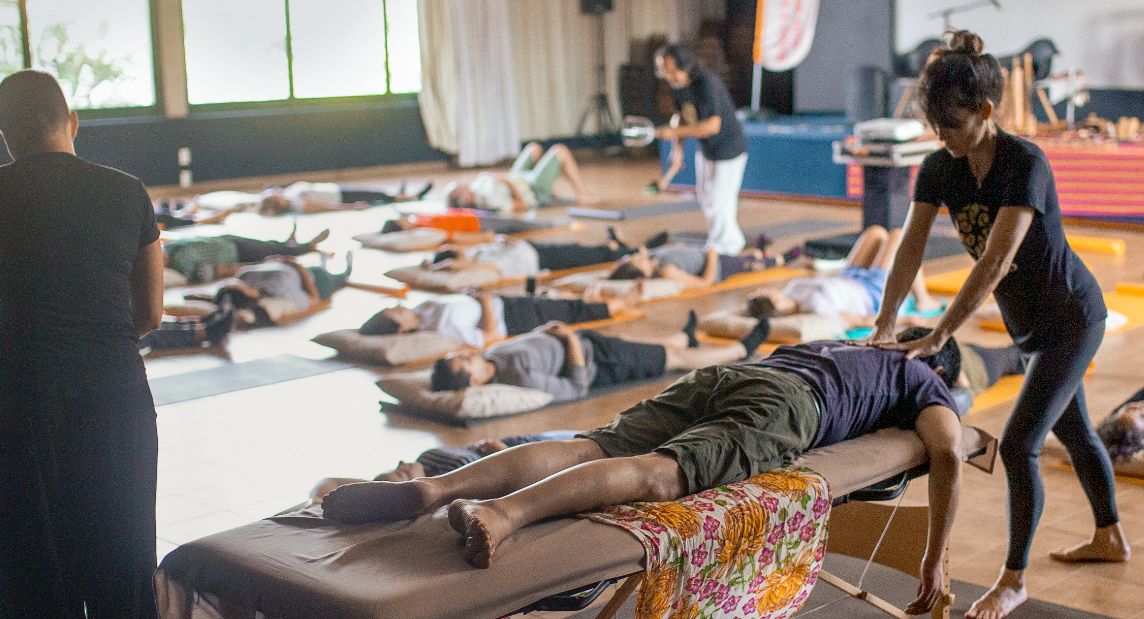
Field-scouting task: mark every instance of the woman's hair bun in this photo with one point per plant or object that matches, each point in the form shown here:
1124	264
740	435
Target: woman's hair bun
965	42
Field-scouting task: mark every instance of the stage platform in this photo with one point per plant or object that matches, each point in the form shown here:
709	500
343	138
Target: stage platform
787	155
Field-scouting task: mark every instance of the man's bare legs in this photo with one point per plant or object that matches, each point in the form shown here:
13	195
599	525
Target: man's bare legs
494	476
682	357
587	486
570	170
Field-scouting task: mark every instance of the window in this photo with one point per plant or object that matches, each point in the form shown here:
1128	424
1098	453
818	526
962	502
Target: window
280	50
99	51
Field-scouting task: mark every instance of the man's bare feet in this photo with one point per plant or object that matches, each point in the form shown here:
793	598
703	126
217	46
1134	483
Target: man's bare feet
327	485
1006	595
482	526
380	500
488	446
323	235
1108	545
405	471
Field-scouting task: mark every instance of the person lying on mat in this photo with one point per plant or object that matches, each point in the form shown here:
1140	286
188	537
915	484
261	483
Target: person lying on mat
440	460
206	258
182	329
1122	432
982	367
525	186
854	295
521	258
278	288
304	197
695	267
171	215
489	317
714	426
568	363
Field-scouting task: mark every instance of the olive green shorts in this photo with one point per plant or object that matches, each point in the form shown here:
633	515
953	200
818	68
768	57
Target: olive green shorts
540	175
722	424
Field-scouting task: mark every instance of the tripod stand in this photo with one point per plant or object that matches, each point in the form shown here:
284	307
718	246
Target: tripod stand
598	106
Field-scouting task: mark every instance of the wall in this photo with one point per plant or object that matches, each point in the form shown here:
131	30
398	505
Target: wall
849	34
1105	39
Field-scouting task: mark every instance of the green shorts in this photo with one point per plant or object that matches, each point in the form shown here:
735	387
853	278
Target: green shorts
540	175
722	424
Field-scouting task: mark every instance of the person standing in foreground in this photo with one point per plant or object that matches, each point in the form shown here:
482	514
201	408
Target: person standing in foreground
81	279
1001	196
705	111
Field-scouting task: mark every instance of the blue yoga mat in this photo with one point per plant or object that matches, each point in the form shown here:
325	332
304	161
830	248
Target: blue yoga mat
238	376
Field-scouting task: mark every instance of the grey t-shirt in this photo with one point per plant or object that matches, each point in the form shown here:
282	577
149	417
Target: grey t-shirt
512	258
277	280
537	361
688	259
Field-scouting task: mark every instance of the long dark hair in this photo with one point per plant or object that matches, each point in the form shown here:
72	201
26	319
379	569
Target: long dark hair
959	76
683	56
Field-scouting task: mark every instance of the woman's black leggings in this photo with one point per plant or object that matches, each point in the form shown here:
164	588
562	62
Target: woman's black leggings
1053	398
253	250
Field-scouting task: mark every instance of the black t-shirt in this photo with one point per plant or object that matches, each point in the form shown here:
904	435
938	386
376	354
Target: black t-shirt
704	97
861	389
69	235
1049	290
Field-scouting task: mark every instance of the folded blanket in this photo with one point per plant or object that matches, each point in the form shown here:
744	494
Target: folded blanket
748	549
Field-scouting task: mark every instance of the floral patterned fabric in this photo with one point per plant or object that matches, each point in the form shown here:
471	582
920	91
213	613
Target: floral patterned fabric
747	549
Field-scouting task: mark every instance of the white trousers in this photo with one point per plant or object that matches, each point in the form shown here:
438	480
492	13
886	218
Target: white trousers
717	185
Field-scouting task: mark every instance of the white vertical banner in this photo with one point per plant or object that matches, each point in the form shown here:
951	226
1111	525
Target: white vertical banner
784	31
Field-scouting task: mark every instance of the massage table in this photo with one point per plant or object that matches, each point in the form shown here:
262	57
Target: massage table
299	565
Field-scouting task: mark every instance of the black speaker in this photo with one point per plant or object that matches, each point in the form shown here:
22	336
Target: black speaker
595	7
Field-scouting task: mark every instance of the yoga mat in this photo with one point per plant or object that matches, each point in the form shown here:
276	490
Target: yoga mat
948	283
238	376
1097	244
794	227
889	584
838	247
1004	390
636	212
741	280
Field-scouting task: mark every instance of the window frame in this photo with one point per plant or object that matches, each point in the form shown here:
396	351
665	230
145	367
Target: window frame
301	103
132	111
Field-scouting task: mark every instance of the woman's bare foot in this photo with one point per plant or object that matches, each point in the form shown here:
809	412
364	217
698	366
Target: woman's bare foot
1006	595
482	526
381	500
1107	545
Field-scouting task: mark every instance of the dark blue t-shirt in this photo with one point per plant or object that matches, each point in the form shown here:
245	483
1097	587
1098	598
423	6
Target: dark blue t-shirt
704	97
1049	291
861	389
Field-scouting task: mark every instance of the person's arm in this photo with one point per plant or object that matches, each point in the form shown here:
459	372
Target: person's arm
1001	247
676	274
518	205
703	129
940	430
710	266
147	288
907	261
488	322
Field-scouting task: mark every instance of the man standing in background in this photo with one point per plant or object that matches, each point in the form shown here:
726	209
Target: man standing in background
704	110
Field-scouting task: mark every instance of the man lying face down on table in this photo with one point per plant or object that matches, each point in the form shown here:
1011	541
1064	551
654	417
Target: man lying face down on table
714	426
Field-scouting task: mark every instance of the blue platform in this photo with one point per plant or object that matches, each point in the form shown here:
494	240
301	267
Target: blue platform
788	155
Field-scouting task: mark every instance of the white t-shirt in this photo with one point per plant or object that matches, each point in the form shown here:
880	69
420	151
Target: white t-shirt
493	194
829	295
459	315
226	200
298	193
513	258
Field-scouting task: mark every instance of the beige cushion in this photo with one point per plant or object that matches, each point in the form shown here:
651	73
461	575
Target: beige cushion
792	329
173	278
480	402
1132	467
419	239
443	280
394	349
654	288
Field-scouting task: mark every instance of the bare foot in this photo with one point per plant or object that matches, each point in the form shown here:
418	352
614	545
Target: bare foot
327	485
488	446
1107	546
323	235
483	528
999	601
380	500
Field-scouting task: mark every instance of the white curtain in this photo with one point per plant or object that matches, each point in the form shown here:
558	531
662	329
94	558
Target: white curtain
527	68
468	93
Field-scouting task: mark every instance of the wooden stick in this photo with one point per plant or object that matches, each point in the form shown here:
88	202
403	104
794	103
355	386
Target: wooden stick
1048	106
865	596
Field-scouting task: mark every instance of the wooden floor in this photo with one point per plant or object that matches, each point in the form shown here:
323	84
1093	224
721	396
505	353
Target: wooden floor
228	459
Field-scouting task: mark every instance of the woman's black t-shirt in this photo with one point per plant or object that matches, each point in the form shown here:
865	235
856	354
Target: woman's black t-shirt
1049	291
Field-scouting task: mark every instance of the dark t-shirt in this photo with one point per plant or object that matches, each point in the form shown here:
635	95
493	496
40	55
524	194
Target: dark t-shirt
861	389
69	235
704	97
1049	291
